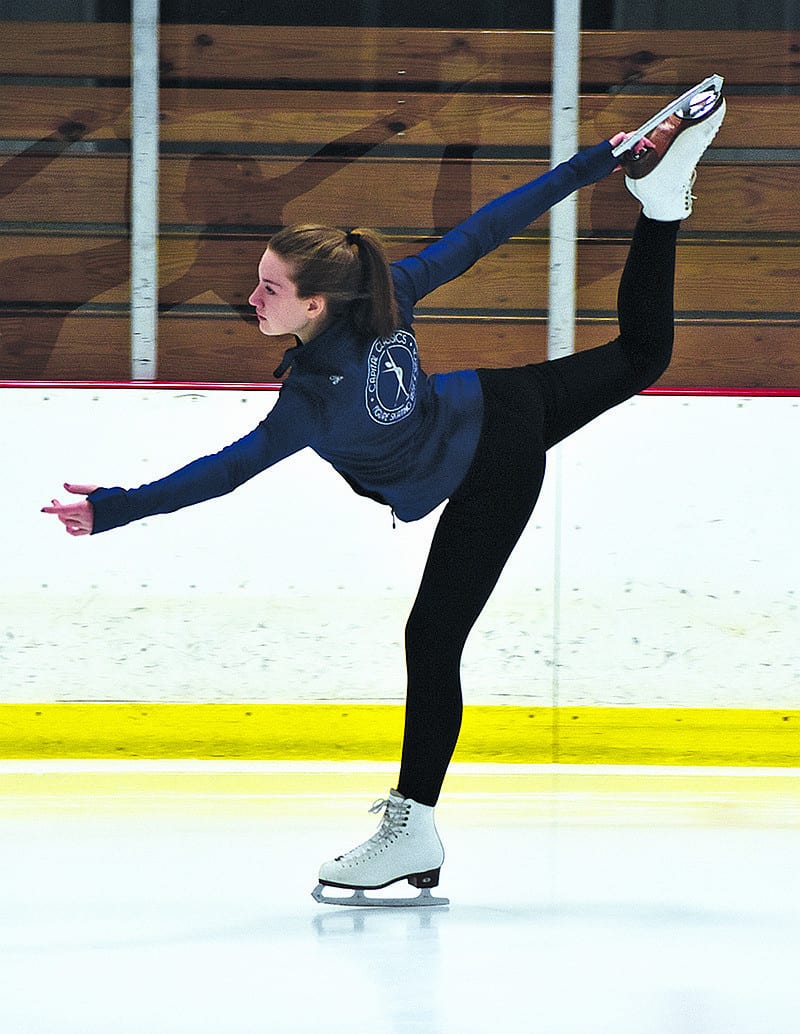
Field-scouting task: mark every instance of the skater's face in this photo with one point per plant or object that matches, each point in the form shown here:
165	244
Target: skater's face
279	308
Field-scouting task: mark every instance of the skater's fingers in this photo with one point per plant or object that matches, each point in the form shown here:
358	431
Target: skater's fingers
619	137
56	507
77	518
80	489
75	530
62	509
615	140
638	147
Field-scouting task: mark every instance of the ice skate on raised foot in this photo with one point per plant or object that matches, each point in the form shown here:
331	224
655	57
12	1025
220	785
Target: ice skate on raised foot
691	107
405	847
661	173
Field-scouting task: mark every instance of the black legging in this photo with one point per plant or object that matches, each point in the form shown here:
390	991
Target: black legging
526	410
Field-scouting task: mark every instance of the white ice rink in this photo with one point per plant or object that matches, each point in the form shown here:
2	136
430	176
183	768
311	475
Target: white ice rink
157	898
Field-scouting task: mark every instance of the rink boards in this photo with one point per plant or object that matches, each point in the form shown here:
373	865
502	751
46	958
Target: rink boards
649	613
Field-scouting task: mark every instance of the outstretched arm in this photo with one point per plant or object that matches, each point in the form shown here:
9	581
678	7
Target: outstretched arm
495	222
202	479
286	430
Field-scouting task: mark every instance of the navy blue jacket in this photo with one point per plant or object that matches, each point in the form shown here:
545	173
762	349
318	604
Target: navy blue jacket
366	407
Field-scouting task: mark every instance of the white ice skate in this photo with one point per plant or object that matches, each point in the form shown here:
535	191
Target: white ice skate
406	847
692	104
661	174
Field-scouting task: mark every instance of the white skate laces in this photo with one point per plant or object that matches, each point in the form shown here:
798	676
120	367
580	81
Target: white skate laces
394	822
406	846
661	174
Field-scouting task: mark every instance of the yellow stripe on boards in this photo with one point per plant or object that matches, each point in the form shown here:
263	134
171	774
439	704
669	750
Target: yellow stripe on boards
367	732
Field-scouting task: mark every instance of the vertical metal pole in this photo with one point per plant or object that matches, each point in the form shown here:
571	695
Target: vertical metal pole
562	270
564	143
144	189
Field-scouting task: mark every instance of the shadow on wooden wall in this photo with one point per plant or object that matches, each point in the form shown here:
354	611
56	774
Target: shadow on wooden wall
405	130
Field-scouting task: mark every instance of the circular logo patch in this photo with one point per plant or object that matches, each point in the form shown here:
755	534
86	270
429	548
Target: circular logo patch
392	368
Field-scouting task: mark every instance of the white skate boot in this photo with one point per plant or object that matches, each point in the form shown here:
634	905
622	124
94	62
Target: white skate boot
692	104
406	847
661	174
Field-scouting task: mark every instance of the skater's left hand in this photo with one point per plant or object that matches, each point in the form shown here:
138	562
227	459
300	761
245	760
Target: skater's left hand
642	145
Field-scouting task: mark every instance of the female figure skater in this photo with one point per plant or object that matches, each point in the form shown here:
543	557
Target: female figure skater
356	395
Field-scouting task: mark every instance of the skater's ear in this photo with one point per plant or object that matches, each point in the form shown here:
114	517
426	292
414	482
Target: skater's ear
316	306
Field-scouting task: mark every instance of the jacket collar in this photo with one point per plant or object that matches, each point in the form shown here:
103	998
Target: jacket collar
288	358
332	333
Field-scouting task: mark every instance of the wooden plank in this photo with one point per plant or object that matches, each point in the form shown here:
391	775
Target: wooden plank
424	194
284	117
753	280
731	198
56	346
474	56
676	58
435	194
755	355
435	120
298	119
448	57
712	277
229	350
514	277
65	49
60	115
226	349
69	270
64	188
303	53
365	55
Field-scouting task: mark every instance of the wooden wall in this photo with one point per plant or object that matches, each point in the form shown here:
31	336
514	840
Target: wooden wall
407	130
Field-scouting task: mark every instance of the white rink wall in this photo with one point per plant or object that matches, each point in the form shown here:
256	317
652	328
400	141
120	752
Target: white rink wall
661	566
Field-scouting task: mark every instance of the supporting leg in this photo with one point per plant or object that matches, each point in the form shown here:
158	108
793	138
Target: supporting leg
476	533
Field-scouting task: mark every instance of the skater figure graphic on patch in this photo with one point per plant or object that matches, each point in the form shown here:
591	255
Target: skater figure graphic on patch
398	372
474	439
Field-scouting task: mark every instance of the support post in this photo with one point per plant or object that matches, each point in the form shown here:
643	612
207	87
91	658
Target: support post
562	272
564	143
144	189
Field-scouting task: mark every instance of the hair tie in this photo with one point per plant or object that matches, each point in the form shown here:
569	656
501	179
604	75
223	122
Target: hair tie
353	237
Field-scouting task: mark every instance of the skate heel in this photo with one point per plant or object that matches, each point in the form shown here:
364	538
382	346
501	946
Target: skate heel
428	879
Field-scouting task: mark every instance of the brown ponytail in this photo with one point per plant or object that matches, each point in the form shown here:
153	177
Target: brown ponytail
350	270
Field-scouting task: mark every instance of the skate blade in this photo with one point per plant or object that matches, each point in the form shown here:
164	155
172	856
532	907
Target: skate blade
713	82
360	899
